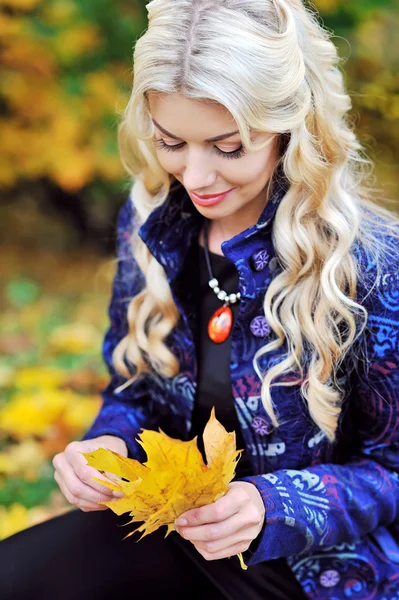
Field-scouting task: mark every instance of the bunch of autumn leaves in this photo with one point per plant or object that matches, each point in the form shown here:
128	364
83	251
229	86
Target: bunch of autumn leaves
174	478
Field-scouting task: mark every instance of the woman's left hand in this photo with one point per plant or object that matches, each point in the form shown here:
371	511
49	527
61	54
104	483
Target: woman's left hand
227	526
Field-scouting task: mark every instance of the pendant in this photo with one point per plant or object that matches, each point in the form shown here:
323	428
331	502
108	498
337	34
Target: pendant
220	324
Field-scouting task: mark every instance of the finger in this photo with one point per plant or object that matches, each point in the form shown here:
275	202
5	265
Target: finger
85	473
72	499
79	489
222	545
220	510
226	553
114	479
111	477
214	531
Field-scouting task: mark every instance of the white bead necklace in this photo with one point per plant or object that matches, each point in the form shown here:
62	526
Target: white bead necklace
213	282
221	322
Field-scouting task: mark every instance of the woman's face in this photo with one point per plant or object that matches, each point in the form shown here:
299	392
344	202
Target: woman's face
183	128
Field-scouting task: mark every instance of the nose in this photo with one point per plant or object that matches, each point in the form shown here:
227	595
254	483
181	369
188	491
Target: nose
199	174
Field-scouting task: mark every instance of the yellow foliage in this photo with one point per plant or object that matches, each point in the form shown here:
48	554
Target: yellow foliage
393	111
6	376
6	468
174	478
20	4
33	413
24	460
101	92
81	412
13	520
370	36
72	168
9	26
25	151
17	517
30	317
29	56
327	5
75	338
37	412
52	131
17	87
39	377
60	13
109	167
74	42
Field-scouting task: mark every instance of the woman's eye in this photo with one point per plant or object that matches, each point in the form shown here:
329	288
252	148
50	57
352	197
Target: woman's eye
233	154
171	148
161	144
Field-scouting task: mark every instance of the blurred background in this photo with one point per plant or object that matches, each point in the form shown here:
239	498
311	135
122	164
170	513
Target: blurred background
65	78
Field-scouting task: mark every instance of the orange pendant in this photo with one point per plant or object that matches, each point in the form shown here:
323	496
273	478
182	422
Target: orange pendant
220	324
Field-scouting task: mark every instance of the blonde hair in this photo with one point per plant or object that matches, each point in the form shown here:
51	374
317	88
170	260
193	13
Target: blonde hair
272	65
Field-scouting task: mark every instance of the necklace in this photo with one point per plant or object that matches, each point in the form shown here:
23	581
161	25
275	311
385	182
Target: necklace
221	322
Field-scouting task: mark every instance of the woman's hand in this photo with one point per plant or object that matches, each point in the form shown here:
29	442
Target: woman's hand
227	526
74	476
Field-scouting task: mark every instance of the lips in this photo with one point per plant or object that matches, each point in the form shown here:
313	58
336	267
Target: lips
208	196
210	200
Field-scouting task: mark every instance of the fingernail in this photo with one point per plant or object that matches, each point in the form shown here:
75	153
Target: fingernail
117	494
181	522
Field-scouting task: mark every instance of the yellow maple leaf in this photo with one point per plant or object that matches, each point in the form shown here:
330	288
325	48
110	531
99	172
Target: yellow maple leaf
174	478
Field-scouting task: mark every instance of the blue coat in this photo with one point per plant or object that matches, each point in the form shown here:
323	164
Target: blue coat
332	510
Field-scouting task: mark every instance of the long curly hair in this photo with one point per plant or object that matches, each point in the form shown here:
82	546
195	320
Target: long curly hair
275	68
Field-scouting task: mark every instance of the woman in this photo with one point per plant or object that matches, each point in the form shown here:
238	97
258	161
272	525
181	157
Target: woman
256	275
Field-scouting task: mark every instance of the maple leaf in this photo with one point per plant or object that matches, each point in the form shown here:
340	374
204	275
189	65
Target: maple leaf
174	478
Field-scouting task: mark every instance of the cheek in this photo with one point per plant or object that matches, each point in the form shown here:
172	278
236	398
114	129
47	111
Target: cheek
259	166
170	161
253	171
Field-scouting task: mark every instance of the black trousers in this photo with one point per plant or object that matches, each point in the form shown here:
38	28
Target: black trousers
82	556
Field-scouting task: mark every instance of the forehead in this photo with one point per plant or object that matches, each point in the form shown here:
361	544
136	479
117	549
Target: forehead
190	119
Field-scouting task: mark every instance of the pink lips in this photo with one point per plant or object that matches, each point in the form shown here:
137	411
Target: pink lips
209	200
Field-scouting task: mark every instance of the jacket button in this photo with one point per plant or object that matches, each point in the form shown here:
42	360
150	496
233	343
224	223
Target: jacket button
329	578
260	259
259	326
261	426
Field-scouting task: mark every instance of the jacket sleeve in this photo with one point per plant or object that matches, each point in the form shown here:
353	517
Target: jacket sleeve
123	414
328	504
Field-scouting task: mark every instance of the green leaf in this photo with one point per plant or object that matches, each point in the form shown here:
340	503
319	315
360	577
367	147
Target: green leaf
27	493
22	291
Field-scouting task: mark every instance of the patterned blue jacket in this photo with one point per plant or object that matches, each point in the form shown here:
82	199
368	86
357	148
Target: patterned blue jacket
332	510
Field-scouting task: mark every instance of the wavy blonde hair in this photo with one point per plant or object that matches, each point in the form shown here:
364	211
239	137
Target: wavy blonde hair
272	65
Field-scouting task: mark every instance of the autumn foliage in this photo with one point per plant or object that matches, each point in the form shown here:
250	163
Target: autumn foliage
173	479
66	73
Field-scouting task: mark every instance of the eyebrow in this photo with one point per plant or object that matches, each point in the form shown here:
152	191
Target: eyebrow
217	138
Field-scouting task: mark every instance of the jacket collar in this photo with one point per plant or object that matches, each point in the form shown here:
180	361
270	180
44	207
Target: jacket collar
171	227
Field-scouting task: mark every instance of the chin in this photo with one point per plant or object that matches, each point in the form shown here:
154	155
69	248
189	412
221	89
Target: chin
215	212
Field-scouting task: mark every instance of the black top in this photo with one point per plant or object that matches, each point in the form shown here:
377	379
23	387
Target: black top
214	380
273	578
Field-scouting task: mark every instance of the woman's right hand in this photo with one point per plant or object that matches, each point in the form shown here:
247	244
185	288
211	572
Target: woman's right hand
74	475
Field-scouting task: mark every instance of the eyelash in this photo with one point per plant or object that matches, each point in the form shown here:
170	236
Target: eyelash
234	154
